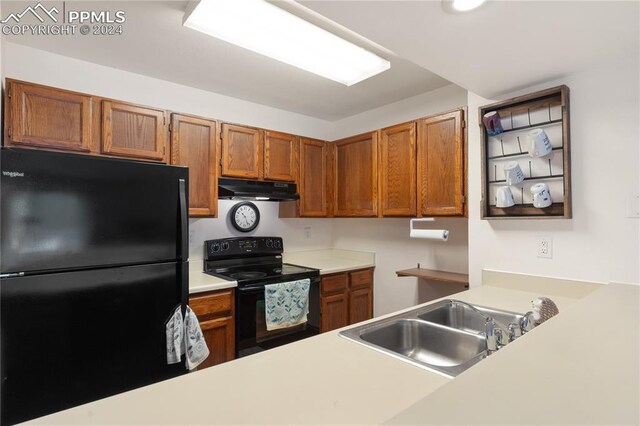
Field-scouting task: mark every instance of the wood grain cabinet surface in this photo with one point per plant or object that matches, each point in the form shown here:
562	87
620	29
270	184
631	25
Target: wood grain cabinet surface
397	170
193	144
280	156
355	178
133	131
345	298
441	181
241	151
45	117
216	314
312	186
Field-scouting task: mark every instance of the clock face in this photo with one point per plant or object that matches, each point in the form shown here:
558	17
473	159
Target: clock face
245	216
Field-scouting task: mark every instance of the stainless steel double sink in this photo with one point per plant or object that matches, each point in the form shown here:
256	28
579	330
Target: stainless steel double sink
447	337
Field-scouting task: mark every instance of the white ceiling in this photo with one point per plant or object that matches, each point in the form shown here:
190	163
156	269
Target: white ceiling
501	47
156	44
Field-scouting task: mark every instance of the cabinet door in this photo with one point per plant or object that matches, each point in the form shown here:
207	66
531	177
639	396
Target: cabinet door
220	338
360	305
193	144
356	176
441	165
334	312
280	156
397	169
313	178
133	131
241	151
46	117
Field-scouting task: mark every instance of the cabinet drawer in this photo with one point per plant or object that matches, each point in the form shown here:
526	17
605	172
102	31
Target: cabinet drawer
212	304
334	283
363	278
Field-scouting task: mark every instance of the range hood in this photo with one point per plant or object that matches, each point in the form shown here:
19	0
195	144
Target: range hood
238	189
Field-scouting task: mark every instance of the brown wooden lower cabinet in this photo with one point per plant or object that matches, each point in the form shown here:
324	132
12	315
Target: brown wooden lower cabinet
215	311
346	298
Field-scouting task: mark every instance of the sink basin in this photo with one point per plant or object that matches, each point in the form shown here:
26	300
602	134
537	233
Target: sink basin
427	343
446	337
460	316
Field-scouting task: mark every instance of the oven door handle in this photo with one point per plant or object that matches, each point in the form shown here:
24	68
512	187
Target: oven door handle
251	288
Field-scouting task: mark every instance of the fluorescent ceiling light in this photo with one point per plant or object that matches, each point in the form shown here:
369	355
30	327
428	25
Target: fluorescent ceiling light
266	29
456	6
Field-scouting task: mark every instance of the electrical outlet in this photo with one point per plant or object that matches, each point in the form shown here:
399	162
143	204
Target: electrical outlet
307	233
545	247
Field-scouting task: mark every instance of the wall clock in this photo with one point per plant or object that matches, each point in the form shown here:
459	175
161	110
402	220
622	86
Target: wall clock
245	216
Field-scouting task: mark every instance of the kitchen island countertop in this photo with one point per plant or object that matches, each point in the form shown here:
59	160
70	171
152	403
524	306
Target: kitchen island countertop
547	376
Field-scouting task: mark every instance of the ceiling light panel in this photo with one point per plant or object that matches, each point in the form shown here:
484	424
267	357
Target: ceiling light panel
266	29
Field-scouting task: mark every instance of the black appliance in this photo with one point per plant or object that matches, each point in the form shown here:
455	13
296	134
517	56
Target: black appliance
254	262
238	189
94	261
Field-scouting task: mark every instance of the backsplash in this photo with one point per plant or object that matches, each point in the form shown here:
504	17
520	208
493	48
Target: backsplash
320	231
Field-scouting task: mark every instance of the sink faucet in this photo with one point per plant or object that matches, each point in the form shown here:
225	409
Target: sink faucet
497	334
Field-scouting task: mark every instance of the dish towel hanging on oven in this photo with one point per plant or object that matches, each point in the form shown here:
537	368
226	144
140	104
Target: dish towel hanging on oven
185	336
286	304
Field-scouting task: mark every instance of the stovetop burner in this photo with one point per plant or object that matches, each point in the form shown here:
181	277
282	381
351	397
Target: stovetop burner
252	261
249	275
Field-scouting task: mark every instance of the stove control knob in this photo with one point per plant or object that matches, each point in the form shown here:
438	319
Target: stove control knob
225	246
277	244
215	247
269	243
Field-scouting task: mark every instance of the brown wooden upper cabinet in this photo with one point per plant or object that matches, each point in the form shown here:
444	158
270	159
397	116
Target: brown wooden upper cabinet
46	117
312	185
241	151
441	165
133	131
355	176
397	170
193	144
280	156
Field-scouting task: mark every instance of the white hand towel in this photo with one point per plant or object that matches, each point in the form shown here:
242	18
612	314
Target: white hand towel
196	347
175	341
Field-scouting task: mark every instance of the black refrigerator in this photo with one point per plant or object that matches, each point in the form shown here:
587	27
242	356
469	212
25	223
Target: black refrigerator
94	260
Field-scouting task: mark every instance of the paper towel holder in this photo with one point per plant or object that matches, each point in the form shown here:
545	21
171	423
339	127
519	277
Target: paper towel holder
442	234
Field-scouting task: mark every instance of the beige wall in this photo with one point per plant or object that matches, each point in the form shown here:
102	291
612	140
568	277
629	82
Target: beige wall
600	243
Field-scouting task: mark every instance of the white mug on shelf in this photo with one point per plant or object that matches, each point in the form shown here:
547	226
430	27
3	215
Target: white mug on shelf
539	143
504	197
541	195
513	173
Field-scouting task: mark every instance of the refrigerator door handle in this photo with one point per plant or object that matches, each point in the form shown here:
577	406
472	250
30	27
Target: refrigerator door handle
184	221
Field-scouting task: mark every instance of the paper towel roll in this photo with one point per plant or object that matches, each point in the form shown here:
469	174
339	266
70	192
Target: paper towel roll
430	234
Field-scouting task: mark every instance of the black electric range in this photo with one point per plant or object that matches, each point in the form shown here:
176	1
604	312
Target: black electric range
254	262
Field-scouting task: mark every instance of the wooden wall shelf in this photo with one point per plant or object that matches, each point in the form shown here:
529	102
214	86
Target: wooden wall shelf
548	109
435	275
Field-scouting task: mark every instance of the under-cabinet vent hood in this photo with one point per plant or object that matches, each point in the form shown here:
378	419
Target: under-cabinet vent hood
238	189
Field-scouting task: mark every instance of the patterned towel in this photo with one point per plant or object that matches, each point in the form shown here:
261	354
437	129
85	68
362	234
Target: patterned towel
185	336
286	304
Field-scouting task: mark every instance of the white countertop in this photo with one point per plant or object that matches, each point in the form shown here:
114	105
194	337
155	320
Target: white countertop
200	282
582	367
331	261
579	367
